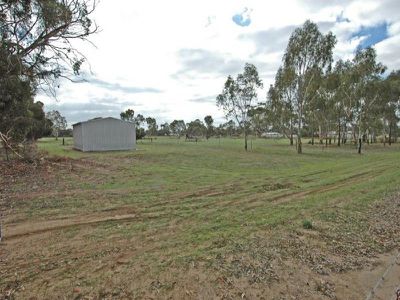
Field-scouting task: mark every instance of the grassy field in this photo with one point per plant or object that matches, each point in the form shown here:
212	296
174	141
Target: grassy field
197	220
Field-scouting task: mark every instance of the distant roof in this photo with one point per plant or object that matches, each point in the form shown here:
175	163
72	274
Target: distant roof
96	119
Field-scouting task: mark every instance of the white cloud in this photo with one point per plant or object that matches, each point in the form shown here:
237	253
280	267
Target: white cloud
162	57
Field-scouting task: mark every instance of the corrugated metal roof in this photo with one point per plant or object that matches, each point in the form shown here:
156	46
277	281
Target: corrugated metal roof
96	119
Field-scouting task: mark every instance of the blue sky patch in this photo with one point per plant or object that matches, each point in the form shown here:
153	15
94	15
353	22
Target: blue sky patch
372	35
242	19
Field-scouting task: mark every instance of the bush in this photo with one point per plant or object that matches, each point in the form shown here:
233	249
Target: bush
140	133
307	224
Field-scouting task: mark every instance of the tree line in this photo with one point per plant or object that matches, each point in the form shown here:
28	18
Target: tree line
179	128
313	96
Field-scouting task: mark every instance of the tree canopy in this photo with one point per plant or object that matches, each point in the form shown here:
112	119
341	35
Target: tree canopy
238	96
36	50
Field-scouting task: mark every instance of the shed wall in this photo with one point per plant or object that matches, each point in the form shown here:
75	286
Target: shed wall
78	137
108	134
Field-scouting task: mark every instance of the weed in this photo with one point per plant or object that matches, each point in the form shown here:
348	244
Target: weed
307	224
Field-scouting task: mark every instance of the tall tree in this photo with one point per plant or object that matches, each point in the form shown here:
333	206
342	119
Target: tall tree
139	120
238	96
178	127
210	128
280	103
151	125
365	73
195	128
59	122
391	104
16	96
128	115
36	50
259	119
165	129
307	54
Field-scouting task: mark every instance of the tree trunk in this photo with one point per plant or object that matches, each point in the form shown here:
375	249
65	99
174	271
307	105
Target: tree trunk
299	148
338	142
298	144
312	135
360	135
320	134
291	132
344	134
390	134
245	139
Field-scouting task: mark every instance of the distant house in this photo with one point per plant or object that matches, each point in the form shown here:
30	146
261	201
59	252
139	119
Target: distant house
271	135
104	134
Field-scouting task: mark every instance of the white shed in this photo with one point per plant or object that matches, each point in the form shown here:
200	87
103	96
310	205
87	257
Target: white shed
104	134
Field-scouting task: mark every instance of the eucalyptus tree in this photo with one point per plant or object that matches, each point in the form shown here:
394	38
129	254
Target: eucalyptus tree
238	96
151	126
227	129
16	96
391	103
366	72
210	128
322	108
128	115
36	49
344	94
59	122
307	55
178	127
165	129
281	102
259	119
196	128
139	120
36	37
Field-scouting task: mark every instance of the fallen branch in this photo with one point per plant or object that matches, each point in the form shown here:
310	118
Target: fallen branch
5	139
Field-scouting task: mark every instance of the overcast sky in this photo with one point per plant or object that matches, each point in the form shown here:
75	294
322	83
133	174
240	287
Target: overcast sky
169	59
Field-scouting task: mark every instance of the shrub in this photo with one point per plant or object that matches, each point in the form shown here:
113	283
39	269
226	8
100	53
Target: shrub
307	224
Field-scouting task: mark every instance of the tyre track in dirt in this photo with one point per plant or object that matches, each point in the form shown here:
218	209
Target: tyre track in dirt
259	198
15	232
287	197
19	231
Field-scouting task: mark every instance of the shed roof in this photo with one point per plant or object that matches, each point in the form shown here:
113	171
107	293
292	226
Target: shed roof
97	119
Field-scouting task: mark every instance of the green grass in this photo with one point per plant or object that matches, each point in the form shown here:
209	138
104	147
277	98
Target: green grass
139	220
213	189
216	187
